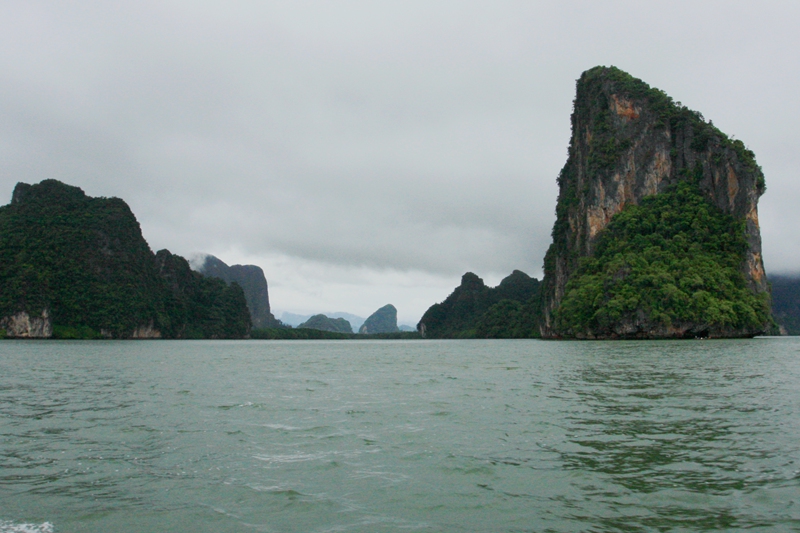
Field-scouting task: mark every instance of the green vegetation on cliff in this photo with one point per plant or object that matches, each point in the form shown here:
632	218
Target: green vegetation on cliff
199	307
475	310
673	259
613	270
384	320
324	323
606	145
85	262
83	258
252	281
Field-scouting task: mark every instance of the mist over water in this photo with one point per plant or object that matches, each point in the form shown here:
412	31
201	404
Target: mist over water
400	436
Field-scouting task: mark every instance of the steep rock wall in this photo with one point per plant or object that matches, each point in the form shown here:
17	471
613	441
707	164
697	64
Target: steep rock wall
630	141
252	281
22	325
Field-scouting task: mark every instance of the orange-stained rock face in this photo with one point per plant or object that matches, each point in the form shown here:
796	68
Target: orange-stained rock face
659	168
597	219
623	150
733	185
756	268
752	216
625	187
625	108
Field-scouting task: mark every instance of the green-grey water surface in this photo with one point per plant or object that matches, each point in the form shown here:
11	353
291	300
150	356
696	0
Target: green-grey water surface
374	436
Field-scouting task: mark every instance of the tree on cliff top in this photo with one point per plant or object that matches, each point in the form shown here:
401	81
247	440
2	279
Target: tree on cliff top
84	260
631	142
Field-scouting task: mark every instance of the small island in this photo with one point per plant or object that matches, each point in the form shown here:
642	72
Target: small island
656	233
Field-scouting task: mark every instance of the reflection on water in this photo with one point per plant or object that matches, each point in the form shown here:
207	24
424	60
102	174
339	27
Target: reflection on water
686	437
387	436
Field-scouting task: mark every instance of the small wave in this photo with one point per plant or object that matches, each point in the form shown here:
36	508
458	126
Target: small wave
277	489
290	458
282	427
11	527
240	405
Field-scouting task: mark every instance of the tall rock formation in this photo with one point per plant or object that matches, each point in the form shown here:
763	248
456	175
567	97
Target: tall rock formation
384	320
252	281
199	306
73	266
475	310
630	142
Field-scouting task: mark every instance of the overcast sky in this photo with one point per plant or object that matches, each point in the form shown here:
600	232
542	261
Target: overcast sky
368	152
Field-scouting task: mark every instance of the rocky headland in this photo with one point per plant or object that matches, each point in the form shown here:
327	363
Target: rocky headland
656	232
73	266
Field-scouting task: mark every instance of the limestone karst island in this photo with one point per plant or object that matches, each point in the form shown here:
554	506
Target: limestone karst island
656	236
656	232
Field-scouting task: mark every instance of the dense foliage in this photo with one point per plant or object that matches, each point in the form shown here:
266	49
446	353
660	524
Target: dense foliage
199	307
672	259
298	334
507	319
475	310
324	323
85	260
252	281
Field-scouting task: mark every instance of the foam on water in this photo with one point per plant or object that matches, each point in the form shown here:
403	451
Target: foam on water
11	527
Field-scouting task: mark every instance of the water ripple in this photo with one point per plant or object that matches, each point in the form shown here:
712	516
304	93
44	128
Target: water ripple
386	436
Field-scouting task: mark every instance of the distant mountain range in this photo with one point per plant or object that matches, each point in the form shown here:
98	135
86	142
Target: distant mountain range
294	319
355	321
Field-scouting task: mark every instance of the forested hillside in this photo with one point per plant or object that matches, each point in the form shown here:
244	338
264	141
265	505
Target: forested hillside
72	266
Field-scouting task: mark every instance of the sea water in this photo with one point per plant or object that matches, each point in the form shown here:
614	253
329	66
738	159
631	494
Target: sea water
378	436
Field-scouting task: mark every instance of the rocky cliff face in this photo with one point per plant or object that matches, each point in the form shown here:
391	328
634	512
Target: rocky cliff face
252	281
198	306
630	141
24	326
384	320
